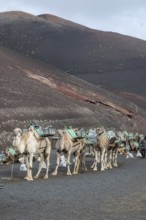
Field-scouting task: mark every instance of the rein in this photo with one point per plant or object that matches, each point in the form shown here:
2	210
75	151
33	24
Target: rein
38	138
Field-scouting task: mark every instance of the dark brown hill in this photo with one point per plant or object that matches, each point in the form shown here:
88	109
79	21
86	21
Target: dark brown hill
33	91
36	55
99	57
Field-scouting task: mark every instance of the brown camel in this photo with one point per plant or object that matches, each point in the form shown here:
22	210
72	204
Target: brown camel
66	145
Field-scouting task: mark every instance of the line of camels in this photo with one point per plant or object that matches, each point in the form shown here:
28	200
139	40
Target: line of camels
105	149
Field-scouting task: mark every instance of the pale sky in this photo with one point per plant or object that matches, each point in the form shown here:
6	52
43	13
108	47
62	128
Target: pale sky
126	17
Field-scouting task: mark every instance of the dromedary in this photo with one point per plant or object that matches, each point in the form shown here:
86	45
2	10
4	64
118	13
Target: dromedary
66	145
105	150
101	148
108	148
29	144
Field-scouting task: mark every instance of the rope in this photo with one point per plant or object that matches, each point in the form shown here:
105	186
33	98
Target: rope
12	169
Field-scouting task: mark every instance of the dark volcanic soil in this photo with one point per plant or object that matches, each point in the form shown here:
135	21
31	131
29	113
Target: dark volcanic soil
114	194
31	89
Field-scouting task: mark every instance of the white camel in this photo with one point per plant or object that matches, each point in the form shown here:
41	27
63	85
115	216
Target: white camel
106	149
30	144
66	145
101	149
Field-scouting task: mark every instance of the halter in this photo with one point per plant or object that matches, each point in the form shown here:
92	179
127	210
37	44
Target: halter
38	138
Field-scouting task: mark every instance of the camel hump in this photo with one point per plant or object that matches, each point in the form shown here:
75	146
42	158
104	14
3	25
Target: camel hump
71	132
42	132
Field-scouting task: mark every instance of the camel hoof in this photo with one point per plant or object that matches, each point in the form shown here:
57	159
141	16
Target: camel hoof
95	169
115	165
83	171
74	173
28	178
68	174
45	177
54	174
109	168
35	177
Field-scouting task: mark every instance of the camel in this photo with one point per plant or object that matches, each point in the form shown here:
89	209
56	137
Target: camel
114	148
120	144
106	150
66	145
100	149
130	141
30	144
10	158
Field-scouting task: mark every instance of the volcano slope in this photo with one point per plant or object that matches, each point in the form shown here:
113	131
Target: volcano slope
40	57
33	91
102	58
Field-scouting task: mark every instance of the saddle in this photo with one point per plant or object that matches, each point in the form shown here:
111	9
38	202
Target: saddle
43	132
74	137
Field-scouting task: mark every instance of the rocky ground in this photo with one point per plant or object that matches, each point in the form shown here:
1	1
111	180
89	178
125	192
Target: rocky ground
113	194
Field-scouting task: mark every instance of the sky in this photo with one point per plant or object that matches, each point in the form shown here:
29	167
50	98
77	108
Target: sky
126	17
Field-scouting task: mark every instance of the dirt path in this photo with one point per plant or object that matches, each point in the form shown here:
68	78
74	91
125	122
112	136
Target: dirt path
113	194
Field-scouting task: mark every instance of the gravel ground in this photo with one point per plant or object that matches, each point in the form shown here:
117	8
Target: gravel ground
114	194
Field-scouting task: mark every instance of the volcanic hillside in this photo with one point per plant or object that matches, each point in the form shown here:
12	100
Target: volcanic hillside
34	91
105	58
38	58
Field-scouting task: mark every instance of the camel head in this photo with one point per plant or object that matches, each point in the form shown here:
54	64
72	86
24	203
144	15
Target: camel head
33	132
121	136
17	131
61	132
17	136
100	130
121	150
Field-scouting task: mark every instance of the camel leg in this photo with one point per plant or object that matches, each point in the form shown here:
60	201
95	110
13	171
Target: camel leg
47	164
68	163
26	158
93	165
40	166
109	163
57	164
106	154
96	161
102	159
29	159
91	151
115	159
82	160
30	166
83	163
47	156
76	165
